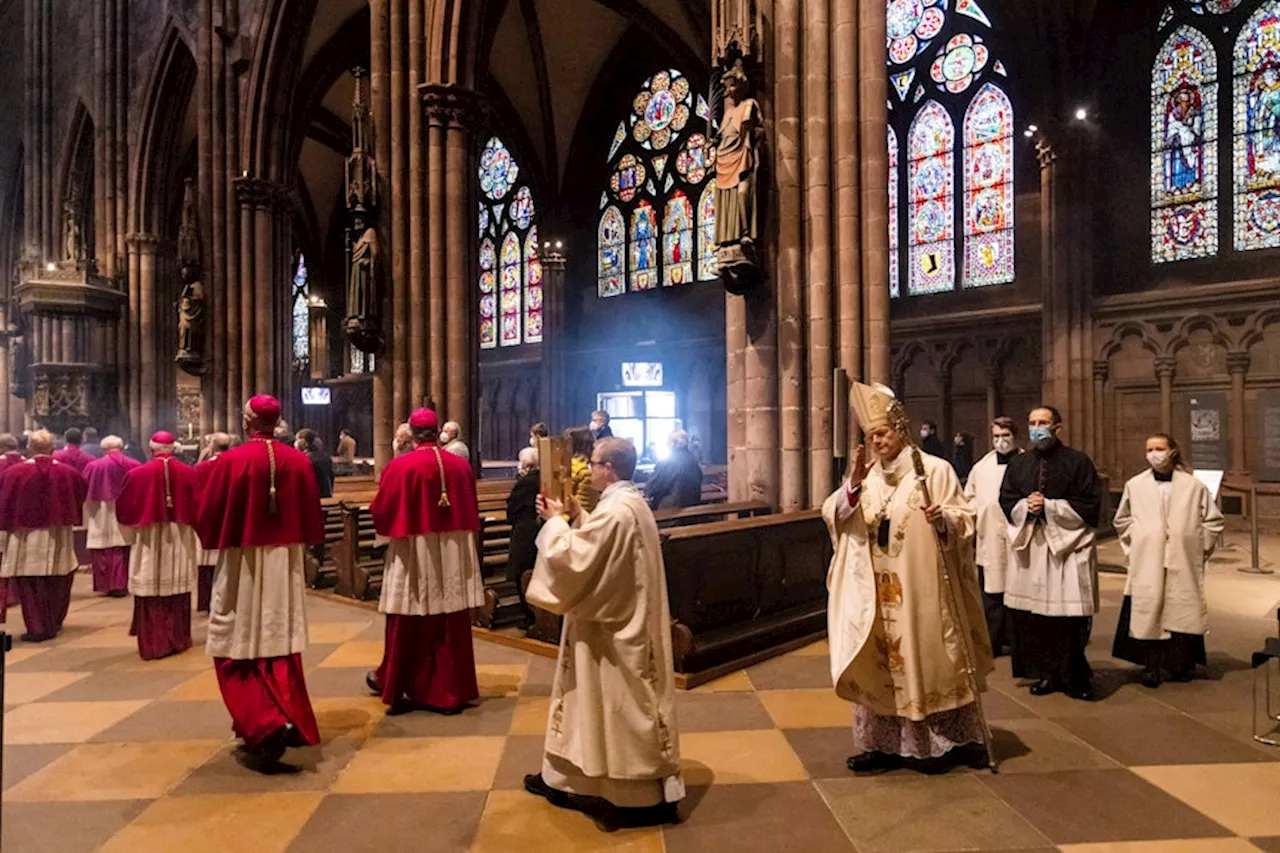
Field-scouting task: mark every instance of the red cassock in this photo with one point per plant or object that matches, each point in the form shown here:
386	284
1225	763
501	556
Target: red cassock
40	505
257	626
158	501
431	580
8	595
75	457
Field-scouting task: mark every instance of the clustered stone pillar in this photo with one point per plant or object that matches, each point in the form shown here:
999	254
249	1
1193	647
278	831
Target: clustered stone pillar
111	96
553	392
1238	367
1101	447
1166	369
825	303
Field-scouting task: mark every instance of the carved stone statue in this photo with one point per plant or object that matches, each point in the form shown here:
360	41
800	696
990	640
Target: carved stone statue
191	302
72	228
737	172
19	363
364	323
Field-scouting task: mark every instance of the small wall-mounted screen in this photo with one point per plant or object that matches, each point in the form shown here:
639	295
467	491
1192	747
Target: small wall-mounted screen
315	396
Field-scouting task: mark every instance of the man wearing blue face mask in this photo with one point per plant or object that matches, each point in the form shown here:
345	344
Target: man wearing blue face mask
1052	498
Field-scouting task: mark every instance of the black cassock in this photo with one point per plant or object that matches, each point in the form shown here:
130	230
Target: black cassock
1052	648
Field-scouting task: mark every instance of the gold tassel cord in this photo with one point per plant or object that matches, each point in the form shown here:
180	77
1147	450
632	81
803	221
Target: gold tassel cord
272	507
444	488
168	489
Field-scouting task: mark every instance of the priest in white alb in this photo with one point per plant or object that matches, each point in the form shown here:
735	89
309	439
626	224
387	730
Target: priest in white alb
982	490
909	647
158	508
1168	525
426	506
612	747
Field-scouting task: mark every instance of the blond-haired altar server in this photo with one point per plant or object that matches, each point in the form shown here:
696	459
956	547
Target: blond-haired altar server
611	731
1169	525
900	649
260	509
158	506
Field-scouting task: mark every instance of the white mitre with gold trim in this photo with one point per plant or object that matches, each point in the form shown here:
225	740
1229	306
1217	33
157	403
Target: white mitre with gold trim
876	407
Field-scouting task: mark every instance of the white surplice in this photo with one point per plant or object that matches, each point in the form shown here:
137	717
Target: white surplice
611	729
163	559
46	553
432	573
983	493
258	609
1167	530
102	529
1053	567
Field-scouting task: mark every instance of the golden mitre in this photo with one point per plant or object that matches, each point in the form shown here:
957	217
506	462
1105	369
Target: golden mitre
877	407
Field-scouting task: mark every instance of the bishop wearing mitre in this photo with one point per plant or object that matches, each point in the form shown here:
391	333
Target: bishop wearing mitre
909	652
426	506
158	507
107	543
260	509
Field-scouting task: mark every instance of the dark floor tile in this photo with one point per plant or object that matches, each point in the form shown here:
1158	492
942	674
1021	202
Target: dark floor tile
824	752
312	768
65	827
75	660
486	717
314	654
121	686
1041	746
337	681
721	712
521	755
539	676
782	818
1081	806
922	813
21	760
791	672
1267	845
377	823
1138	741
998	705
206	720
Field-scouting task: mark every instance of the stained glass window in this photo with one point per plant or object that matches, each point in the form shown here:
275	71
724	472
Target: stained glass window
510	275
931	194
1184	151
660	160
1257	130
301	316
988	188
707	266
894	285
939	47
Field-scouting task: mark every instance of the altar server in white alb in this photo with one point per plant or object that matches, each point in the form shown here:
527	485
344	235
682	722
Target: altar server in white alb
983	493
1168	525
611	730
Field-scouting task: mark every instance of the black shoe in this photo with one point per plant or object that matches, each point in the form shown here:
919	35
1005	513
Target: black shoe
534	784
874	762
971	755
118	593
1150	677
1043	687
371	681
400	706
1182	675
611	818
32	638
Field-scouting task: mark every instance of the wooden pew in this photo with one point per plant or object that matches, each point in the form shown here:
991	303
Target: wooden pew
359	555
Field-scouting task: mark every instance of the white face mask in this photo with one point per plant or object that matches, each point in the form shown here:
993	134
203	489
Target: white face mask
1004	444
924	433
1158	459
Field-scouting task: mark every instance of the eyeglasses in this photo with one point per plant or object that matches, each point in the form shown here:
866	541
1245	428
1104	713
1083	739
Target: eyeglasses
593	463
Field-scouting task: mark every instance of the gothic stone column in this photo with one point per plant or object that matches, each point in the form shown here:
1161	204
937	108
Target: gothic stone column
1166	368
1238	367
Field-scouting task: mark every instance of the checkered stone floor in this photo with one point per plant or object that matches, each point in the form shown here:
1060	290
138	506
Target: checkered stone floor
105	752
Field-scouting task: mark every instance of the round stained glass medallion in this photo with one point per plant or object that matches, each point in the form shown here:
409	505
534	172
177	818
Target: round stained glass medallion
522	208
1266	212
627	178
498	172
1183	225
959	62
902	17
911	25
660	111
931	222
692	162
931	176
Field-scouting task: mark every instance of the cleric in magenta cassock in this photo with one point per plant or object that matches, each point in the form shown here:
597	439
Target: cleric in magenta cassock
426	505
107	543
206	558
260	509
158	506
40	506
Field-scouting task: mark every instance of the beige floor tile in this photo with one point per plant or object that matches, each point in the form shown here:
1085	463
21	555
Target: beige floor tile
193	659
500	679
333	632
729	758
806	709
113	637
342	716
101	616
1188	845
516	820
200	688
365	653
115	771
218	823
530	717
21	653
23	687
419	765
1241	797
64	722
819	649
736	682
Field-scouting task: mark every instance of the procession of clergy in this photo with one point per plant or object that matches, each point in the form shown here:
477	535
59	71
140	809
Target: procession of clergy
925	578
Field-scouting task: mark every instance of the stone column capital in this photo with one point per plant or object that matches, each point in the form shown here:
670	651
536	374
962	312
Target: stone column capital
1045	153
1237	362
553	260
142	242
1101	371
450	105
1166	366
260	193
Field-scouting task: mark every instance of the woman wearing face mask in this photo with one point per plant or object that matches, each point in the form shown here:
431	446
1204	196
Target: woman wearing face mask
1168	525
983	494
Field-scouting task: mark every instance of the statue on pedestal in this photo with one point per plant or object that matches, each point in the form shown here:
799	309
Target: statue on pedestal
191	302
364	323
737	172
72	227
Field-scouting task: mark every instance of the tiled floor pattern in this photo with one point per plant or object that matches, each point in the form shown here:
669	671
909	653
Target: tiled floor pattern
105	752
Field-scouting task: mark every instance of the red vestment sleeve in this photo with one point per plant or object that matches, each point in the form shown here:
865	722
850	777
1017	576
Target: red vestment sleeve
142	500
